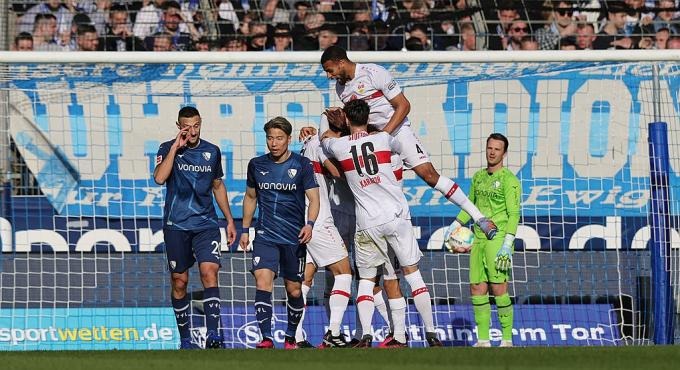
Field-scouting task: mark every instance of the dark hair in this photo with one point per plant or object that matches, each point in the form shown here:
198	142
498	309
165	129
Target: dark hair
170	4
86	28
334	53
23	36
356	112
188	111
281	123
501	137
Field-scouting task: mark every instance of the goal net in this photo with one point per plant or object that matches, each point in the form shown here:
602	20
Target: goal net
83	265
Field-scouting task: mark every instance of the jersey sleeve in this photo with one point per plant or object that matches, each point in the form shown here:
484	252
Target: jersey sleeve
395	145
163	151
250	178
308	178
219	171
321	154
513	196
384	82
327	146
323	125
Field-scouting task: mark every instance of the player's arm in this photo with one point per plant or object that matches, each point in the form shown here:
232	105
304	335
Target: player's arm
330	166
222	199
249	205
163	170
512	193
461	219
313	207
402	107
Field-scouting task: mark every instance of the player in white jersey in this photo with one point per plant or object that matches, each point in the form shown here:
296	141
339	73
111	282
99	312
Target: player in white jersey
326	249
388	112
383	216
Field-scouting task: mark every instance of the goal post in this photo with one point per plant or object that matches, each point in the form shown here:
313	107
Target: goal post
596	263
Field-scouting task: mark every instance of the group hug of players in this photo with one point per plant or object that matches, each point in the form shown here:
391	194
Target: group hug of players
343	192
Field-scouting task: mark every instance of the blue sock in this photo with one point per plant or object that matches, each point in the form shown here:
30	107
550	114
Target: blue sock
296	306
211	308
181	308
263	312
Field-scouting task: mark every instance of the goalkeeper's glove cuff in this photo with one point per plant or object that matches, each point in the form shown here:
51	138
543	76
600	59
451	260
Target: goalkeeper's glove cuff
508	241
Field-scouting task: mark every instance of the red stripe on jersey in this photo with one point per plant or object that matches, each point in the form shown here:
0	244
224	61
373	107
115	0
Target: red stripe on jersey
382	157
362	298
340	292
375	95
317	167
419	291
399	174
451	191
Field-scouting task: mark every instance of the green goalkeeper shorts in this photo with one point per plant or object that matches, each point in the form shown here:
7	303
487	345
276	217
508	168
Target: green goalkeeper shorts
482	257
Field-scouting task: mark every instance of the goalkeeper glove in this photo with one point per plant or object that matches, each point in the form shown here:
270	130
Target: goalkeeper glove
504	256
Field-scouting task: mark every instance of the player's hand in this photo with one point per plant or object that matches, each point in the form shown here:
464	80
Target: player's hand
455	225
305	234
231	233
504	256
182	138
336	118
306	132
245	240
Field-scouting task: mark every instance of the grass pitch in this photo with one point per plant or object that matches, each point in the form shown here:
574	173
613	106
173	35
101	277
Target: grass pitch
581	358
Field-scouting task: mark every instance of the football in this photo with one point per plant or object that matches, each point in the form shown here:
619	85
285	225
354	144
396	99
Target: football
460	238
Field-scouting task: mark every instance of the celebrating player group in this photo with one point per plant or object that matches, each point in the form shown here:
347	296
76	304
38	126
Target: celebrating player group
341	197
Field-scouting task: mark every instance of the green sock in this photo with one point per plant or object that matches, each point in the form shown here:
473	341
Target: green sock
505	315
482	310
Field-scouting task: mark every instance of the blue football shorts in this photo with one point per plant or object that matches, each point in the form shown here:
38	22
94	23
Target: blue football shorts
184	247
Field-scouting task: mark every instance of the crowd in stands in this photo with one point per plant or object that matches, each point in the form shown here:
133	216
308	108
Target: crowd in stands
358	25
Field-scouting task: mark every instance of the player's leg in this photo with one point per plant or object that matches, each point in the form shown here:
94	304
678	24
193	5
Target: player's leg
310	270
292	271
265	266
381	304
479	293
180	258
498	280
206	245
414	156
397	324
368	258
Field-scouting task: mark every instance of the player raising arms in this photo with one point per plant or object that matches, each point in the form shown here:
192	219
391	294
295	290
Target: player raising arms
278	182
383	217
389	109
496	191
192	169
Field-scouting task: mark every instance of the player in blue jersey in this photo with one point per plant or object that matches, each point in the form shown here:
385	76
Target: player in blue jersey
192	169
278	183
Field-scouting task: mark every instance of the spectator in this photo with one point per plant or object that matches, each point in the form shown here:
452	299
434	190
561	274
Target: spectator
227	21
517	30
468	37
61	14
359	40
171	19
87	38
585	36
567	43
119	36
422	33
637	21
202	44
673	42
282	39
507	13
611	36
414	44
276	11
665	19
661	38
563	25
162	41
69	39
528	43
309	40
257	39
148	18
327	37
98	12
23	42
234	44
45	33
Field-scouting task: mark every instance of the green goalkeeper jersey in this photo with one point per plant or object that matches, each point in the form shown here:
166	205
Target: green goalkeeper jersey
497	196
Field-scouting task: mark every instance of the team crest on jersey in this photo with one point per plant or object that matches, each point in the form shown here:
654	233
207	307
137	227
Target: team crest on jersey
496	184
360	88
206	155
159	159
256	260
173	264
292	172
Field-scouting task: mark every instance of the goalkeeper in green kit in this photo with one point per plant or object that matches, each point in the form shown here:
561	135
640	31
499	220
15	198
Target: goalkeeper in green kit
496	191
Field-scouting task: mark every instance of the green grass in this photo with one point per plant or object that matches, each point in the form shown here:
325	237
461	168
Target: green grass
581	358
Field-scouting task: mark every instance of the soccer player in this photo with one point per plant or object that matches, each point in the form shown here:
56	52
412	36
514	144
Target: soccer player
496	191
383	217
389	108
327	249
278	183
192	169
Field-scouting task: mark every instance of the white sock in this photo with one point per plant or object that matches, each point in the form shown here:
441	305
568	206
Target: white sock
299	336
338	301
421	298
380	305
398	309
457	196
365	305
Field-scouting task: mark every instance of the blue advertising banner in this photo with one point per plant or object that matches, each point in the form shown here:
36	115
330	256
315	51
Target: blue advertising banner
577	130
87	328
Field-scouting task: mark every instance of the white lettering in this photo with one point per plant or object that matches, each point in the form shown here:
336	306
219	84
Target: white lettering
277	186
194	168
